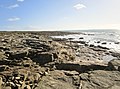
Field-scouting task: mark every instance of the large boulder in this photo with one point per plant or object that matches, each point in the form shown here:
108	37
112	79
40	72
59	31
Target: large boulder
114	64
43	58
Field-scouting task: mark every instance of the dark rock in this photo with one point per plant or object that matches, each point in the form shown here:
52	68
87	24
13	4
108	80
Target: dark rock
59	39
69	66
5	62
102	47
70	39
55	55
98	49
2	68
115	54
91	45
4	48
118	68
27	87
78	67
76	80
117	42
16	54
81	38
114	64
50	42
104	43
86	44
98	41
82	42
71	73
43	58
5	40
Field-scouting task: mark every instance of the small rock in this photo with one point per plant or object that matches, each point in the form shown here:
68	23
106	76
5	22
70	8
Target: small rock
104	43
98	41
37	76
115	54
82	42
36	85
18	85
81	38
117	42
71	73
102	47
46	73
27	87
12	84
21	82
91	45
17	78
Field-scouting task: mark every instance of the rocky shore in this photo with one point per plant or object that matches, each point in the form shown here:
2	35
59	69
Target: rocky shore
34	60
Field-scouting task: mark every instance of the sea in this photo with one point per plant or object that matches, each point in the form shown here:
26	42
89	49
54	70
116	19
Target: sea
104	37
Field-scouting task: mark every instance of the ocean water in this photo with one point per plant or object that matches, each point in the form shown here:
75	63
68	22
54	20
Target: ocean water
104	38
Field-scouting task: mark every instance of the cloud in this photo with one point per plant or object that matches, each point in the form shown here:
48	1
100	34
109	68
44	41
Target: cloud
13	19
79	6
20	0
13	6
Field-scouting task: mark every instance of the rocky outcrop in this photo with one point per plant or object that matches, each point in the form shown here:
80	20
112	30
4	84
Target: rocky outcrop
30	60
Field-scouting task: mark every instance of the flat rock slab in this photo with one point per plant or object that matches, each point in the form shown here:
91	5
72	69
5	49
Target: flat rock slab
56	80
79	67
100	79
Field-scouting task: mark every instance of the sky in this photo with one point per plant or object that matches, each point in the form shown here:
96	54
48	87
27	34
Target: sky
37	15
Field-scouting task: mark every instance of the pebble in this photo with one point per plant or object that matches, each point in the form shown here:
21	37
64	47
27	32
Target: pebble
17	78
12	84
27	87
18	85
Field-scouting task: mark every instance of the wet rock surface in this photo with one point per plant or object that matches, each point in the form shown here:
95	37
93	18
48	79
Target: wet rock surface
30	60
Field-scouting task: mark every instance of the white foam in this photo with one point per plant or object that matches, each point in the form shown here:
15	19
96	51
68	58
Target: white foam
92	38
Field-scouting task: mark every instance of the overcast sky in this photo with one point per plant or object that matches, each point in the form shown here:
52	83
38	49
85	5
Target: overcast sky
59	14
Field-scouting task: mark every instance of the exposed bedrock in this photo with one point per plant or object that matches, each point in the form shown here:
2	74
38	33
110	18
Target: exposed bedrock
34	61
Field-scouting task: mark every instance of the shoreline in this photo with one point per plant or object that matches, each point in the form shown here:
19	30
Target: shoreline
92	39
